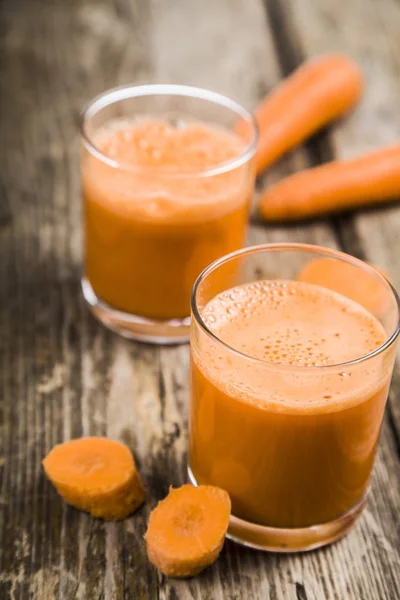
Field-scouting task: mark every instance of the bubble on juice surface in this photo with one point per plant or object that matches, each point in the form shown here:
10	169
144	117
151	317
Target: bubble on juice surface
179	145
292	323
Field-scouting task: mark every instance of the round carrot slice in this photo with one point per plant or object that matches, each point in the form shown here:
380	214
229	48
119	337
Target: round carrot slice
348	280
187	529
97	475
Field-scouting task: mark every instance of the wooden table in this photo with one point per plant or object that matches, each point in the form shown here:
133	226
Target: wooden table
63	375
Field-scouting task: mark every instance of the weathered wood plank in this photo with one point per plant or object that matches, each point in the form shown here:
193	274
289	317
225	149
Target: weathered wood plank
55	358
62	374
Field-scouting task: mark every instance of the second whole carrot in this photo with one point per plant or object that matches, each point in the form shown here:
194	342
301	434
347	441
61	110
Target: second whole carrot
373	178
320	90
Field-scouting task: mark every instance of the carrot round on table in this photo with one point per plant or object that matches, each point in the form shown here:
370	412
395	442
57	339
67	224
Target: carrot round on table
348	280
97	475
320	90
187	529
370	179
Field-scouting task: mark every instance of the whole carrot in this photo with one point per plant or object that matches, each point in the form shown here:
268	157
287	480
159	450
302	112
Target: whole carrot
319	91
370	179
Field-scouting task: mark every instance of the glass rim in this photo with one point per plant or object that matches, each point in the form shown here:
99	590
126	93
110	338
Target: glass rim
339	255
126	92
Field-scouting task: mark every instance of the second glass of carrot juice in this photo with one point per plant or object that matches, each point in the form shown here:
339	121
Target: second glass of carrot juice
167	183
290	378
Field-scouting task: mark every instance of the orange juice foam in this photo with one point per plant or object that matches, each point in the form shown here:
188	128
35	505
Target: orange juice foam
155	219
292	444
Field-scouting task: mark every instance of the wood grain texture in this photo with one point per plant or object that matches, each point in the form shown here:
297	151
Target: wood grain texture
62	375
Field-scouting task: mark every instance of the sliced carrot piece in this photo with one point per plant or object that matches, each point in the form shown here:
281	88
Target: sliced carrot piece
348	280
187	529
97	475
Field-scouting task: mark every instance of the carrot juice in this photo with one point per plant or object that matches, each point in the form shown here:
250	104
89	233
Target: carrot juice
162	205
289	436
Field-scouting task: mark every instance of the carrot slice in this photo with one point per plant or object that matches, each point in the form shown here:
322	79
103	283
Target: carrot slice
348	280
187	529
320	90
373	178
97	475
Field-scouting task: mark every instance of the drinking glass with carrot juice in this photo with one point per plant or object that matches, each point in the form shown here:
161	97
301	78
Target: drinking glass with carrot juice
290	377
166	186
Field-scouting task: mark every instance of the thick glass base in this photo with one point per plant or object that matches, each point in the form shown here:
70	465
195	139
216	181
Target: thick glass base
275	539
173	331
